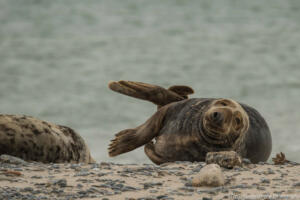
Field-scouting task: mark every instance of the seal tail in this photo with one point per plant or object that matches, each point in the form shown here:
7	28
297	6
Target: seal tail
130	139
153	93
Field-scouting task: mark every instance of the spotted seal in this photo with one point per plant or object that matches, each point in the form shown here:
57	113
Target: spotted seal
35	140
186	129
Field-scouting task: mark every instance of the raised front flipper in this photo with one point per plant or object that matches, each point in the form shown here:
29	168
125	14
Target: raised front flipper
153	93
130	139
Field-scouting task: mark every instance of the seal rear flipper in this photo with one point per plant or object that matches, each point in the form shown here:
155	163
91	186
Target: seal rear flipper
182	90
153	93
152	155
130	139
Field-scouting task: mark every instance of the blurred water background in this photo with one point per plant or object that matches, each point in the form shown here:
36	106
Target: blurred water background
56	58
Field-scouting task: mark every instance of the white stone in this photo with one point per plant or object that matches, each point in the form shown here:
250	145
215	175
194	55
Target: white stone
210	175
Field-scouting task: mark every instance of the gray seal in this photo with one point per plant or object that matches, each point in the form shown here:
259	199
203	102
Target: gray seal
185	129
35	140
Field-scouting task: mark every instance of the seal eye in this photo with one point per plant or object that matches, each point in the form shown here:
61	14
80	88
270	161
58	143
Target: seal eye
223	104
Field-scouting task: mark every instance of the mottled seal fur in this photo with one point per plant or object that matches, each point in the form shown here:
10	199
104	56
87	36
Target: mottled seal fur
186	129
226	159
35	140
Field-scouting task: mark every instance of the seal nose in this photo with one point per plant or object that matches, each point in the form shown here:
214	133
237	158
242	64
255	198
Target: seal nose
217	118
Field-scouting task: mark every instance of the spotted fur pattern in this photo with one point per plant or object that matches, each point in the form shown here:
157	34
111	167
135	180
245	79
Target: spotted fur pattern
35	140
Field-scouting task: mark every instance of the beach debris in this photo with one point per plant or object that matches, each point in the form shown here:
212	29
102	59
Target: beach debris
226	159
12	173
210	175
280	159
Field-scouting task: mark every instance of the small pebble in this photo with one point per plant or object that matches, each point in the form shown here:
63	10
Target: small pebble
296	184
82	173
162	197
263	180
61	182
246	161
12	160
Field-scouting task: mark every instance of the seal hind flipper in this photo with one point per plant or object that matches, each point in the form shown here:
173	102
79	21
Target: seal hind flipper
153	93
130	139
150	152
182	90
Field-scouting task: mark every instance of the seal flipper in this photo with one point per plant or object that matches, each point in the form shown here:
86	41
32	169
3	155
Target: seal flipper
182	90
153	93
130	139
154	157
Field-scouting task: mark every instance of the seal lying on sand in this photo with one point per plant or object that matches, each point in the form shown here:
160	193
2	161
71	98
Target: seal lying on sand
35	140
186	129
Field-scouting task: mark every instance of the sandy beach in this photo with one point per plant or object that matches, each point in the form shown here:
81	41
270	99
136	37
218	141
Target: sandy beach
23	180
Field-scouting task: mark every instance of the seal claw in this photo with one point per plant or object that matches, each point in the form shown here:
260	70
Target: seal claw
124	141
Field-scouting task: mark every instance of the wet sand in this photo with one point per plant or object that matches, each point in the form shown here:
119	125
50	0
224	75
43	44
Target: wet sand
23	180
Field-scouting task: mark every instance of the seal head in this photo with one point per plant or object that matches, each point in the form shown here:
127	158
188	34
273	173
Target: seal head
223	122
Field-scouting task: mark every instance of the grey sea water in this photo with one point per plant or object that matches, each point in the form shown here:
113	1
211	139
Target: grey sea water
56	58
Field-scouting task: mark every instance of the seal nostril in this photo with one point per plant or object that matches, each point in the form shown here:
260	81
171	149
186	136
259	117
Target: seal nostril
217	118
216	115
237	120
